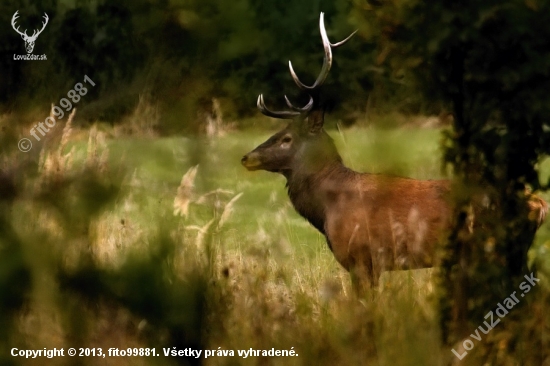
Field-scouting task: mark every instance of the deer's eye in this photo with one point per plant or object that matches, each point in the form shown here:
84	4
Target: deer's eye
286	139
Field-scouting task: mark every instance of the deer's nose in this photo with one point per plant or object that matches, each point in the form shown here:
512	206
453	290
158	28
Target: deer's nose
251	161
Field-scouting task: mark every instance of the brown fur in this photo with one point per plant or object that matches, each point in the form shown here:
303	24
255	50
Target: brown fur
373	222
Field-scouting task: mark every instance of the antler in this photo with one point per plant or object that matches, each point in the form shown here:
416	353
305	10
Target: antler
36	33
304	109
327	63
13	19
284	114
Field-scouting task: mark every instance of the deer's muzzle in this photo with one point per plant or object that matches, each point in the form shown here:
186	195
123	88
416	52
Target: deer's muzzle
251	161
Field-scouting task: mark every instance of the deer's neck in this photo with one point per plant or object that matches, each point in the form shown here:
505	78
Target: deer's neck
305	189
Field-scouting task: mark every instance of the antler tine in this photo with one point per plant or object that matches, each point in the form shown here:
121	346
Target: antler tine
46	18
13	20
304	109
278	114
43	24
338	44
327	61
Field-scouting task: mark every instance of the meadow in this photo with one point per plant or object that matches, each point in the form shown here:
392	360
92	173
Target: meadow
174	244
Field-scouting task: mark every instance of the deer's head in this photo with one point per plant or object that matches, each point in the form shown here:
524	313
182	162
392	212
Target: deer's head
29	40
303	143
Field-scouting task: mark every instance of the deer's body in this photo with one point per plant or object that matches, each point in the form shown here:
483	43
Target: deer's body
372	222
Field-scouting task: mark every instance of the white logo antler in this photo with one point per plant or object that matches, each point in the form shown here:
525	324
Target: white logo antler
29	40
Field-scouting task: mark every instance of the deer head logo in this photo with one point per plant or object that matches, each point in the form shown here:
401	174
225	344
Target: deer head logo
29	40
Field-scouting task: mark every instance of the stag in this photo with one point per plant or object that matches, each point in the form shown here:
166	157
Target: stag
371	222
29	40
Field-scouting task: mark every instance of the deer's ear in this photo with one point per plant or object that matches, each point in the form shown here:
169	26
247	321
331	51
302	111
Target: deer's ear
315	121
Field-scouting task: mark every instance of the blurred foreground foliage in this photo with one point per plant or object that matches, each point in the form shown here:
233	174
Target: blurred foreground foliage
488	62
60	287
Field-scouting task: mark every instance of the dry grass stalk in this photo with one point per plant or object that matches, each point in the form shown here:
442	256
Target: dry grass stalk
67	129
143	121
214	120
54	164
97	145
184	195
212	196
202	231
228	210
